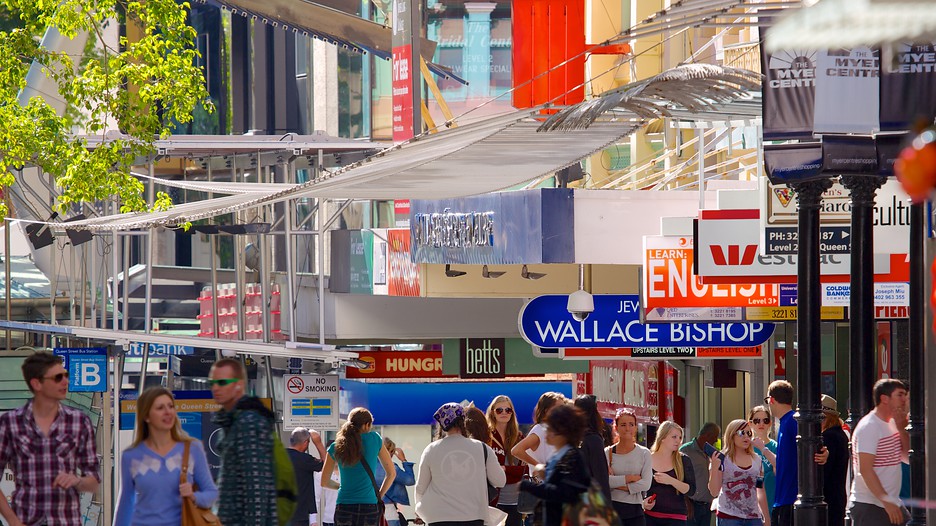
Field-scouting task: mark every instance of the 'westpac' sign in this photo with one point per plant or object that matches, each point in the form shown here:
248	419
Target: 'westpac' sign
615	322
727	249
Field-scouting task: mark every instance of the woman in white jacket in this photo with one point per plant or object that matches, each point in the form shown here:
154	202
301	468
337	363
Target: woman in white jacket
454	473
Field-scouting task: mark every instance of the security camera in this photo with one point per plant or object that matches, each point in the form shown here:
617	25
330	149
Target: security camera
580	305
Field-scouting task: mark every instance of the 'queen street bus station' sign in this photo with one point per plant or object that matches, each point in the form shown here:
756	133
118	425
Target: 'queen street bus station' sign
615	322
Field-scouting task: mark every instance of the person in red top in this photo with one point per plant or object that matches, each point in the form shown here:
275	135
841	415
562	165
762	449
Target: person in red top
505	433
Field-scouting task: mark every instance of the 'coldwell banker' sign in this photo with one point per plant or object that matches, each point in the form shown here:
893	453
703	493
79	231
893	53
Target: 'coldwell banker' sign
545	322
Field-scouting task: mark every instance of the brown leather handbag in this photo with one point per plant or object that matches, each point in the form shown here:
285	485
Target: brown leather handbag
192	515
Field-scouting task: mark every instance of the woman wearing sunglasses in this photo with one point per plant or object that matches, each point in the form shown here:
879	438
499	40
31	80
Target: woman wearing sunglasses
631	470
505	433
766	447
151	490
735	478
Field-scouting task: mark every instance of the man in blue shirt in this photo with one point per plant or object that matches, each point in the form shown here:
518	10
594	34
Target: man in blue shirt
780	399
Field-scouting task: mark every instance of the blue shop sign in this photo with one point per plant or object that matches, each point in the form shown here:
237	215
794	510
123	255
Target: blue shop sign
545	322
159	349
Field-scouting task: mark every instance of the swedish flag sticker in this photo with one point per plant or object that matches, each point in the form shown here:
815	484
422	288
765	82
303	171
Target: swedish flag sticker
302	407
321	407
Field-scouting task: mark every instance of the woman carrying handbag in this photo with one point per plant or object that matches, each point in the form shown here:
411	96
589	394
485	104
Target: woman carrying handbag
163	468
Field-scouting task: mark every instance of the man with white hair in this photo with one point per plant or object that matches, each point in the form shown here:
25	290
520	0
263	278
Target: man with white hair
305	465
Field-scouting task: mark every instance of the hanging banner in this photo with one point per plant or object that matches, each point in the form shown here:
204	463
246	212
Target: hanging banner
909	92
847	91
788	94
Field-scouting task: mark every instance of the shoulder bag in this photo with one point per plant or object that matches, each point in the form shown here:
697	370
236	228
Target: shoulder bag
192	515
381	507
492	492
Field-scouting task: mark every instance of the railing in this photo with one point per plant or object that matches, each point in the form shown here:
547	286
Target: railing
745	56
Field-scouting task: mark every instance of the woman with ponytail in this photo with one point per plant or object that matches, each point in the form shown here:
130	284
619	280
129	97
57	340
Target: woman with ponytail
673	479
356	451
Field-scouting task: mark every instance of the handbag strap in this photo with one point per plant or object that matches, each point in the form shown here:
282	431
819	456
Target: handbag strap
183	476
370	474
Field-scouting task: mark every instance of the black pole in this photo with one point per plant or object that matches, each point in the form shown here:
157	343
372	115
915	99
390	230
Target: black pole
861	307
810	507
917	371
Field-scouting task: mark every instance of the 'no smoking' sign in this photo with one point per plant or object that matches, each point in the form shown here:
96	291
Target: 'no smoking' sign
311	400
295	385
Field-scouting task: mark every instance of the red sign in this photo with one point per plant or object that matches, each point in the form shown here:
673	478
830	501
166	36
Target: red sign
402	274
399	364
669	280
619	383
402	83
779	363
884	312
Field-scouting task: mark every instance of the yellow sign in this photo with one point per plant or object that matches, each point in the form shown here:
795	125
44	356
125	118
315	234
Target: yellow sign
187	406
789	313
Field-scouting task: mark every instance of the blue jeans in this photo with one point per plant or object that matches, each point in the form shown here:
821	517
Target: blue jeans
738	522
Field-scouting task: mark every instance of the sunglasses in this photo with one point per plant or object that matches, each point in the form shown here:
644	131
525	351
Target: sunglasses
767	400
760	420
744	432
501	410
223	381
57	378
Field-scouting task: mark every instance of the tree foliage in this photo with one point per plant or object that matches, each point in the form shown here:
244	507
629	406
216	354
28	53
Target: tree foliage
141	87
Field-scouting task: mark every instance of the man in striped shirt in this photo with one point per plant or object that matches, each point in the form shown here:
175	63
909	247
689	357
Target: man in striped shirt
877	444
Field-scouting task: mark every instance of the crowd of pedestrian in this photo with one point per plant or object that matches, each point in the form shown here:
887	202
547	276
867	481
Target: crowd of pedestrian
481	470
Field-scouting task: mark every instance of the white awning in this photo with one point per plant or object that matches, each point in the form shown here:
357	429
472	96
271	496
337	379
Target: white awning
849	23
485	156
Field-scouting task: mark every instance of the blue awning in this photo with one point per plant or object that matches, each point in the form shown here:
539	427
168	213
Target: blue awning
414	404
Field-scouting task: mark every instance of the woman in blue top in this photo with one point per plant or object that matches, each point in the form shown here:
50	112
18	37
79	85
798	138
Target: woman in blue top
151	493
766	447
397	494
355	447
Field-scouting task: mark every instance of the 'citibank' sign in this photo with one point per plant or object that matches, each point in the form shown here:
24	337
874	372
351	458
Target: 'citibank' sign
453	229
615	322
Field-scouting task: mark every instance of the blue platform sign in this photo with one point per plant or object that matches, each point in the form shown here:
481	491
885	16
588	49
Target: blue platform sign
86	366
545	322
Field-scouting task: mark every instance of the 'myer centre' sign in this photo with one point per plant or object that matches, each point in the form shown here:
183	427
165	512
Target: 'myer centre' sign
615	322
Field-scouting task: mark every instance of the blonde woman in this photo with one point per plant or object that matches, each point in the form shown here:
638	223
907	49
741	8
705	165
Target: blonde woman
766	447
631	471
505	433
673	479
736	479
151	493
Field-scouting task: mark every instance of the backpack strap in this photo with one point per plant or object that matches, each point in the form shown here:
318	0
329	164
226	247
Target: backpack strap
373	480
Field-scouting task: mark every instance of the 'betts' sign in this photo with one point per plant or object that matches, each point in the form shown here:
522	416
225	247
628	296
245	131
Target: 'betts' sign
545	322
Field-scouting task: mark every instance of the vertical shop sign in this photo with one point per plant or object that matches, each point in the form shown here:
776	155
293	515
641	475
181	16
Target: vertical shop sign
884	354
405	66
403	274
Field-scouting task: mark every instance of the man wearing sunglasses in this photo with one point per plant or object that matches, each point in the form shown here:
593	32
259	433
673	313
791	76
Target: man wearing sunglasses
50	448
780	400
248	485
